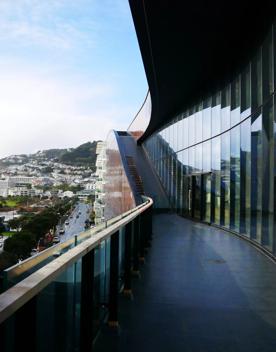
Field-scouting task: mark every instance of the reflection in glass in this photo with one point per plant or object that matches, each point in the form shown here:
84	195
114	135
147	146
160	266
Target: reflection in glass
268	170
206	118
191	129
245	177
256	176
225	179
191	160
228	153
215	187
198	158
245	93
206	156
225	108
216	106
235	101
235	178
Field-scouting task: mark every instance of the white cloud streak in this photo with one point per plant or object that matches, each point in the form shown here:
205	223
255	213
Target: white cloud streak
38	113
46	99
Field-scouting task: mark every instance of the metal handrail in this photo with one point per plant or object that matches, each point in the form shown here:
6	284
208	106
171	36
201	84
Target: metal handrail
18	295
29	263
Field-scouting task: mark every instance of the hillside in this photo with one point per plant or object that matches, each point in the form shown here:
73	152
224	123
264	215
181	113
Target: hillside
83	155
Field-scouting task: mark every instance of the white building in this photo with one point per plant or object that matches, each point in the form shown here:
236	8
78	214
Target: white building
68	194
99	184
4	186
22	191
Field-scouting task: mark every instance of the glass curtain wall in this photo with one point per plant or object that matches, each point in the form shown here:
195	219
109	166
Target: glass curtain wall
216	160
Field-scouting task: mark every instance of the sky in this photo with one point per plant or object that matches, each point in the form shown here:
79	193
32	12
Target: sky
70	70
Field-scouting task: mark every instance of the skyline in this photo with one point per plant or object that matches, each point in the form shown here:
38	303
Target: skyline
69	73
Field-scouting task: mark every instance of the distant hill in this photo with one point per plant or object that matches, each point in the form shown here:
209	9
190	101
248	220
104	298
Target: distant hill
83	155
52	153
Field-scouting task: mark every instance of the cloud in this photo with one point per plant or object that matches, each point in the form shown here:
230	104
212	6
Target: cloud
38	113
67	74
48	24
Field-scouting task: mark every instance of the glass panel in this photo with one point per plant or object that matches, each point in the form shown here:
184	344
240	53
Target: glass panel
206	204
235	179
179	181
185	161
191	119
245	93
198	158
245	177
206	118
197	197
185	133
198	126
225	108
216	106
215	196
268	170
235	101
206	156
191	160
256	176
225	179
180	134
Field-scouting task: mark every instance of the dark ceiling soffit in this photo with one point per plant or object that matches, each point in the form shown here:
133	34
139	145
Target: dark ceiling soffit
191	49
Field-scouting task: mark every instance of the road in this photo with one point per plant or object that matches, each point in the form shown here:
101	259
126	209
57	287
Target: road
76	224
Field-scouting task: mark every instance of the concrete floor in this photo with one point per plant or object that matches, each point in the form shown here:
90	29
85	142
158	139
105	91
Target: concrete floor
201	290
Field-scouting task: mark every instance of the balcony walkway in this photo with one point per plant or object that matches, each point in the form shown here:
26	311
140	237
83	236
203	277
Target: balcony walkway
201	290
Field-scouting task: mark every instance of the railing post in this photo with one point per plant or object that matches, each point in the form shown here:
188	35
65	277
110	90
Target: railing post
114	276
87	302
142	238
26	326
148	216
150	212
127	267
136	240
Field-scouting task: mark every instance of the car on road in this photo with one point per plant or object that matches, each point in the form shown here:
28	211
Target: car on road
77	216
66	222
56	239
61	231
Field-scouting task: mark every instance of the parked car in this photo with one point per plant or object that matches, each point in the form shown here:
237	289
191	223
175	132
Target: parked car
66	222
56	239
61	231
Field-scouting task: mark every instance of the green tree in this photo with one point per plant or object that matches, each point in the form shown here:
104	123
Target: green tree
20	244
7	260
16	223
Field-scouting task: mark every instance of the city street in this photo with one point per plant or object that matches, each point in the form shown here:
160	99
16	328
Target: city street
76	223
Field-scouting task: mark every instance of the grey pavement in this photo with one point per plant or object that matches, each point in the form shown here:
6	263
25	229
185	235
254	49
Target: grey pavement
201	290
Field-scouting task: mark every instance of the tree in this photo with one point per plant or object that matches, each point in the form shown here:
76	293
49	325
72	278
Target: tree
2	227
7	260
20	244
16	223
